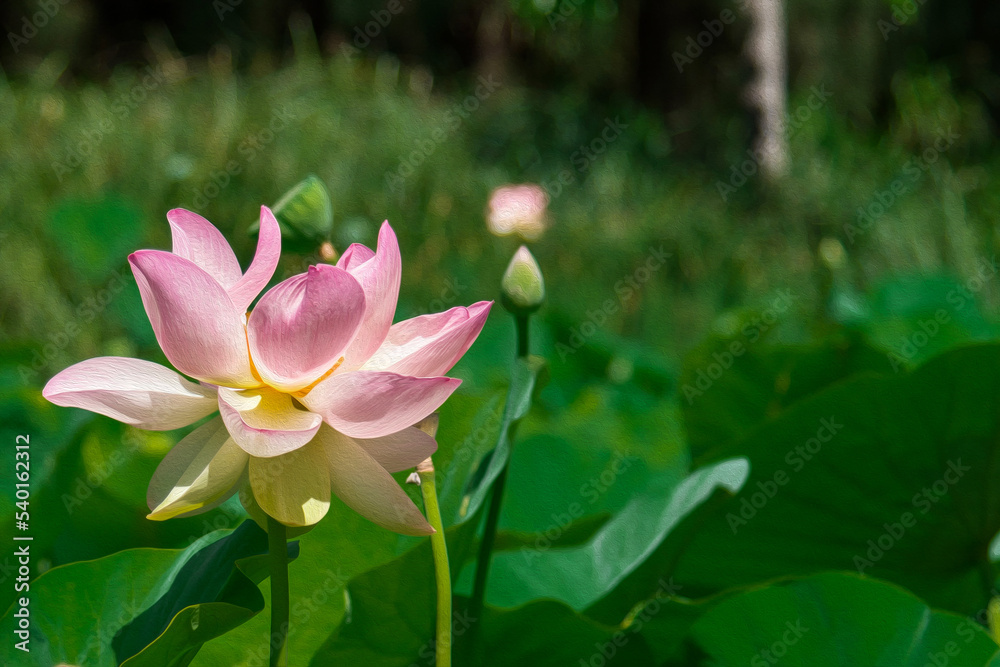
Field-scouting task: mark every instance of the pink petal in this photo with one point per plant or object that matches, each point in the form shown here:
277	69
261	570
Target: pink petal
201	472
264	422
195	321
371	404
301	327
355	255
265	261
366	487
133	391
197	239
397	451
430	345
379	275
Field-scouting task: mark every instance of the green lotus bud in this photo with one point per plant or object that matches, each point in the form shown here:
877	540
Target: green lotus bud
522	287
305	215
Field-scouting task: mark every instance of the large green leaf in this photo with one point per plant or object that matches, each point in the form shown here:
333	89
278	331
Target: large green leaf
392	625
573	533
649	581
89	476
341	546
729	384
839	620
889	476
664	621
545	633
916	317
201	602
143	607
579	575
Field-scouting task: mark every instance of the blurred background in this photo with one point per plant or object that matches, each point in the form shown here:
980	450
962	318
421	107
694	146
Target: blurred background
818	173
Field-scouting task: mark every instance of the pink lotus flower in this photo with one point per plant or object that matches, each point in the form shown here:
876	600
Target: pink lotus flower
317	391
518	209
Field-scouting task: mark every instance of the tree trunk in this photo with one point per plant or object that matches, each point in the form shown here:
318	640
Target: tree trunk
766	49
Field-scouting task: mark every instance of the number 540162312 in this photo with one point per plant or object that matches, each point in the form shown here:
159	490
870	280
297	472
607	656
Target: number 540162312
22	473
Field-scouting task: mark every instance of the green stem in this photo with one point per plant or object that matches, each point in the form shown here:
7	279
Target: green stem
486	547
493	516
522	335
278	550
439	547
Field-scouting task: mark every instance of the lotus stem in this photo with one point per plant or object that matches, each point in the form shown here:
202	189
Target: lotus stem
442	573
278	550
496	501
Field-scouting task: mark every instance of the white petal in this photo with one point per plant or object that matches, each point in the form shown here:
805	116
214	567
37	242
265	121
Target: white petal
265	422
200	472
366	487
399	451
133	391
294	488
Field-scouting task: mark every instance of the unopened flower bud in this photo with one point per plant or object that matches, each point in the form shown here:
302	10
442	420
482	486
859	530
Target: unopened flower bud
522	287
518	209
327	252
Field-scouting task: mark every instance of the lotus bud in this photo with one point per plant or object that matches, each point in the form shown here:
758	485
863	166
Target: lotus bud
522	287
518	209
